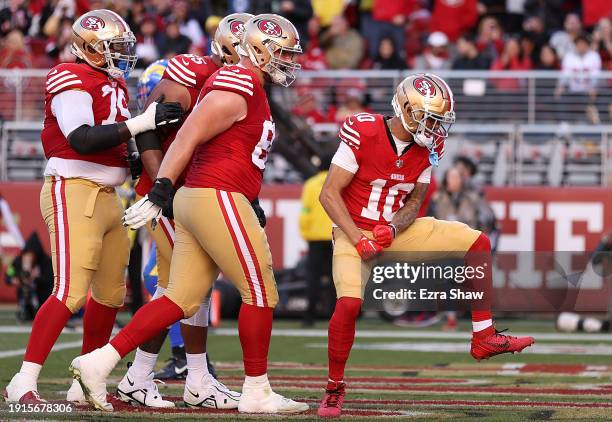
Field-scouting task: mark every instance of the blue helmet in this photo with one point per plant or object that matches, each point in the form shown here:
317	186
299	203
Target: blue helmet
147	81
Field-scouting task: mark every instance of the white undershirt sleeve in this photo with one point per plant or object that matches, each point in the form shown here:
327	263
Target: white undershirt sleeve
72	109
345	158
425	176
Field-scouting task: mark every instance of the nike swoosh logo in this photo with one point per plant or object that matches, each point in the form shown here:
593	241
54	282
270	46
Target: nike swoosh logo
130	381
196	395
179	371
185	62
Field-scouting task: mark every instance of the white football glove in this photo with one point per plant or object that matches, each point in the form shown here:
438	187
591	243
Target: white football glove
141	213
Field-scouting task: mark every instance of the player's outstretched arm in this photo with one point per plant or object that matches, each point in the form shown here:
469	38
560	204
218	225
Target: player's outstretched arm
150	142
331	199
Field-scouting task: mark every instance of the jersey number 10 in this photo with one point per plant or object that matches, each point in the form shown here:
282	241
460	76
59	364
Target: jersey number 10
373	211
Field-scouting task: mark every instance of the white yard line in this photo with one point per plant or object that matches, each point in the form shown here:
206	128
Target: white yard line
59	346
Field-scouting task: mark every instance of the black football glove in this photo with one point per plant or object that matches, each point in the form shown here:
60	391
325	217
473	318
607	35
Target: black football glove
167	113
135	164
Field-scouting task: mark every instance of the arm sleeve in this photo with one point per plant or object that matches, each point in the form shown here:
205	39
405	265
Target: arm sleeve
345	158
425	176
70	117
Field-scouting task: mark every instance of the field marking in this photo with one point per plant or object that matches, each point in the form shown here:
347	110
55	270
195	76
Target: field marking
425	334
541	349
59	346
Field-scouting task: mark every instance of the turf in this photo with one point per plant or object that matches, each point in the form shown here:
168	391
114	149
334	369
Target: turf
400	384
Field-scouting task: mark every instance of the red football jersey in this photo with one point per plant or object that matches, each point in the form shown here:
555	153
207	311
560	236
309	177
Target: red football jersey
110	105
383	180
192	72
234	160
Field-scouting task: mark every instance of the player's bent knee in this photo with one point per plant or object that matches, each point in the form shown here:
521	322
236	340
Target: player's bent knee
200	318
349	306
74	304
482	243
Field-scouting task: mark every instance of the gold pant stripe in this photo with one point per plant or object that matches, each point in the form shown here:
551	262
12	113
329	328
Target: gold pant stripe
243	246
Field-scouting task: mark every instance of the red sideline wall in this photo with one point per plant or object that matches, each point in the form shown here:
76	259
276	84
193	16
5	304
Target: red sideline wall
532	219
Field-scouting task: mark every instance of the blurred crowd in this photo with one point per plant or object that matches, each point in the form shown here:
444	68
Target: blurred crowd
341	34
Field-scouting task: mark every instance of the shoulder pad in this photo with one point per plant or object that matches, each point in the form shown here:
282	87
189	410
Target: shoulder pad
235	79
357	127
189	70
64	77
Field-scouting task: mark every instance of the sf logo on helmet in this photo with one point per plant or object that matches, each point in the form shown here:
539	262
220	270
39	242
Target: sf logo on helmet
237	28
93	23
425	88
270	27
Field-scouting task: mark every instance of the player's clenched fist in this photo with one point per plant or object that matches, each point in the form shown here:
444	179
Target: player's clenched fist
156	115
384	234
368	248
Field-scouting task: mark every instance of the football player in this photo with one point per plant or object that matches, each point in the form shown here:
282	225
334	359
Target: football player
373	192
87	125
224	142
182	81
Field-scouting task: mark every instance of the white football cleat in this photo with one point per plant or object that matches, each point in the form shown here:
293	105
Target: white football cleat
86	370
144	393
261	399
568	322
75	393
22	389
210	393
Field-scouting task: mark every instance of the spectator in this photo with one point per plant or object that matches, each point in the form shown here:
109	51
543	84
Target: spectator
469	58
343	45
307	108
316	229
352	104
210	26
15	16
563	41
327	10
454	18
59	49
548	59
188	26
299	13
512	58
146	46
172	42
533	30
580	71
602	42
550	11
389	18
61	10
490	41
435	56
14	53
388	57
455	202
468	171
32	273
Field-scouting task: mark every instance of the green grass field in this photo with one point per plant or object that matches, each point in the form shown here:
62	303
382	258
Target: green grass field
394	373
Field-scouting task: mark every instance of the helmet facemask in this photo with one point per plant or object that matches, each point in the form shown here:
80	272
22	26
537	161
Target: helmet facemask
280	70
120	55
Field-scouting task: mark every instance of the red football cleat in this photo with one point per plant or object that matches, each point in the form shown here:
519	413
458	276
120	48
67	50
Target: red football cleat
484	347
331	405
31	397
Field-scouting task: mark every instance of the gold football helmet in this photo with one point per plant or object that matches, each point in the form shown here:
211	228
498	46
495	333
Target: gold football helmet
103	40
228	35
273	44
425	105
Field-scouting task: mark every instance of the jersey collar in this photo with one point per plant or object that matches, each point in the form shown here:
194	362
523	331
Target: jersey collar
390	138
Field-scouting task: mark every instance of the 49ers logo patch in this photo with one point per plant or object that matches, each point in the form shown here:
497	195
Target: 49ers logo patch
270	27
237	28
424	87
93	23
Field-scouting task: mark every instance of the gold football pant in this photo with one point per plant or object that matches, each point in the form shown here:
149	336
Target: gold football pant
89	245
218	231
448	239
163	235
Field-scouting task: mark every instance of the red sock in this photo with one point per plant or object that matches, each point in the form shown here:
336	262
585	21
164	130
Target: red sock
98	324
146	323
341	334
48	324
479	255
255	329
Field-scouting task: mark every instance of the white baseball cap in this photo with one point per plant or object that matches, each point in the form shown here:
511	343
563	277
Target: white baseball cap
437	39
